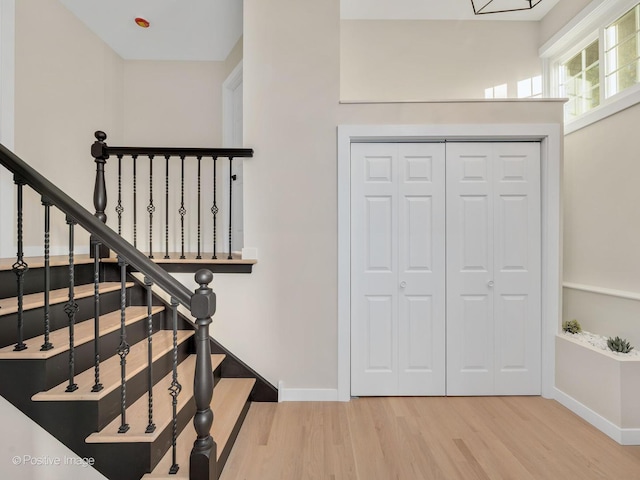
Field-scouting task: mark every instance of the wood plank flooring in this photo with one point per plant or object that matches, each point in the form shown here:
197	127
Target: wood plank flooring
443	438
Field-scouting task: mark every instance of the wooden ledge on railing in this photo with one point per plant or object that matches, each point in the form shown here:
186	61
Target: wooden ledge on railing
191	264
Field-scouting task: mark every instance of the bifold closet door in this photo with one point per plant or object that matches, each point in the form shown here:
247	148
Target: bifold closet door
397	269
493	269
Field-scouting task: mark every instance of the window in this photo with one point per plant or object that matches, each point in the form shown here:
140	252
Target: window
594	62
579	79
621	52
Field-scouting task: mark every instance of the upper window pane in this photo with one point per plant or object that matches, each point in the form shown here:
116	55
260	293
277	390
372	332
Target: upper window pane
580	81
622	52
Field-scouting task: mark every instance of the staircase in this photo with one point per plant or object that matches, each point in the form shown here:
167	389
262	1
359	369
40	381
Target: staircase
99	355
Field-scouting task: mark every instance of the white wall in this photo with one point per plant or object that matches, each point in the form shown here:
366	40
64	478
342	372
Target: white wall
23	455
601	224
560	15
68	84
403	60
282	319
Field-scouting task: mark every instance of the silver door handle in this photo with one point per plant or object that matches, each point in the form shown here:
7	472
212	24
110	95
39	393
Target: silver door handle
403	284
490	284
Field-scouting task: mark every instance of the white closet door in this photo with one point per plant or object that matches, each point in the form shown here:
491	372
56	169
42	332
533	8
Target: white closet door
397	269
493	269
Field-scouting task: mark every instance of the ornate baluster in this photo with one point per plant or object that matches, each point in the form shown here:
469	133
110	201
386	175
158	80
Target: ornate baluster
148	283
232	177
202	462
20	267
135	201
123	348
119	207
214	208
182	210
71	308
151	207
166	204
175	388
199	170
47	345
97	386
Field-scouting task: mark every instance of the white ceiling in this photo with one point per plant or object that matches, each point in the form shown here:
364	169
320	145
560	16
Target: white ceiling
180	30
439	9
208	29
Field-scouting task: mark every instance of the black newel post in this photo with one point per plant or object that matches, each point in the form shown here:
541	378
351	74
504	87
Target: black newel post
202	464
100	155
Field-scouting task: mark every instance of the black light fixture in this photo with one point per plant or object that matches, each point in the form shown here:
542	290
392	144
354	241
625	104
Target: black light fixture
483	7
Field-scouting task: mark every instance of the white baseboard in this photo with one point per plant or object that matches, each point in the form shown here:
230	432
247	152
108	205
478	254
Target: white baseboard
624	436
306	394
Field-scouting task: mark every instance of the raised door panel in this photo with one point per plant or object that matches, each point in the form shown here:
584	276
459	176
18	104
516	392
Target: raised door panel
397	242
470	210
517	273
421	269
374	260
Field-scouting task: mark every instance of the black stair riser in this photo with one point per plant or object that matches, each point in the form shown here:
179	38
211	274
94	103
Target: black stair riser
39	375
89	417
33	319
136	459
34	279
35	376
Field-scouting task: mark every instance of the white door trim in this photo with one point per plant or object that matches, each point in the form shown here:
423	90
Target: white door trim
550	136
7	88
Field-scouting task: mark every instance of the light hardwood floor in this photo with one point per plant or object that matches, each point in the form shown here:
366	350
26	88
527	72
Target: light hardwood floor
452	438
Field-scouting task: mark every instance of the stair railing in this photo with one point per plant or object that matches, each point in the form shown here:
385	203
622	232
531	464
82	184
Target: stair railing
194	159
201	304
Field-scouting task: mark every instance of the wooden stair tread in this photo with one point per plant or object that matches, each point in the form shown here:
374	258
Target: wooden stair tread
137	414
110	369
54	261
229	398
84	333
36	300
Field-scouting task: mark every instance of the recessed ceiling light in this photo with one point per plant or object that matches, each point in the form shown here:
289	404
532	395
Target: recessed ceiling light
141	22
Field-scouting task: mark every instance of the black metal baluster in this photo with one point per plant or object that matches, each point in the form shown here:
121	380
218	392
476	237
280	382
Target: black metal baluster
199	170
175	388
151	207
182	210
123	348
232	177
148	283
135	202
20	267
71	307
203	305
119	207
214	208
166	205
97	386
47	345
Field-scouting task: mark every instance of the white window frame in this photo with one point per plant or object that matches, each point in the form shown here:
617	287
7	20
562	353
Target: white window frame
586	27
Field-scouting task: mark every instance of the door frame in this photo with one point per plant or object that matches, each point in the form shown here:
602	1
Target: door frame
550	138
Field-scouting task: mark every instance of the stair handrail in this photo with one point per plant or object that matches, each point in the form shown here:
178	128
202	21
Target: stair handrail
201	303
94	226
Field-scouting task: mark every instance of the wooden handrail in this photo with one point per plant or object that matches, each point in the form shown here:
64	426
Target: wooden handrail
94	226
